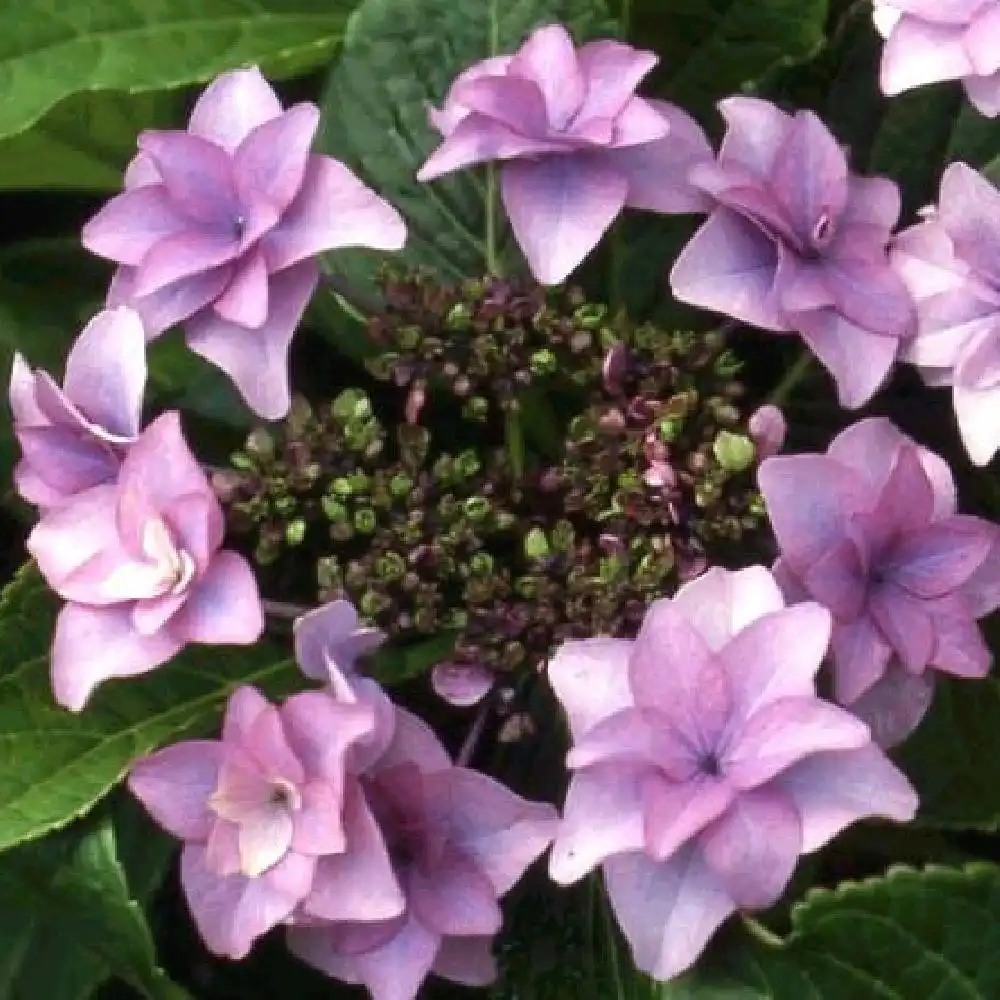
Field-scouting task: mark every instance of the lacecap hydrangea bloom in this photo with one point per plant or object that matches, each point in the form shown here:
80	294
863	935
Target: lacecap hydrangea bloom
140	564
932	40
870	531
74	437
797	243
951	263
704	764
220	224
577	144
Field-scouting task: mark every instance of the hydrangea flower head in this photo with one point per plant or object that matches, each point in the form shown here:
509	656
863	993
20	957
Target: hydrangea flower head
951	263
932	40
458	841
870	531
576	142
74	437
798	244
140	565
255	809
704	764
219	227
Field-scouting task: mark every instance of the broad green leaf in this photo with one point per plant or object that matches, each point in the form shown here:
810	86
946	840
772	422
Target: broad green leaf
50	52
69	920
54	765
709	49
397	58
85	141
908	936
945	757
393	665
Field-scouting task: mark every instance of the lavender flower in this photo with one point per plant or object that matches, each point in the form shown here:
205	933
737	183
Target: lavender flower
798	243
74	437
139	563
256	809
870	530
932	40
951	264
458	841
219	225
578	145
704	764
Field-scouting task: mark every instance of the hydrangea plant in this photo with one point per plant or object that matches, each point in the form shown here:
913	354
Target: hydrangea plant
461	590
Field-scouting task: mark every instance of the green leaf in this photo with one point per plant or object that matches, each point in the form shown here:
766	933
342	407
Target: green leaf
931	933
85	141
944	757
395	664
48	53
68	920
709	49
54	765
397	58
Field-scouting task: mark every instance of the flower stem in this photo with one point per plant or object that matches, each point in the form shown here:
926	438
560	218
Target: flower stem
759	931
492	263
793	376
471	740
514	438
282	609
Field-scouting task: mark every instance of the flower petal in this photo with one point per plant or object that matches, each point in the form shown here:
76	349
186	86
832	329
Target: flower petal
590	679
231	106
224	606
895	704
132	223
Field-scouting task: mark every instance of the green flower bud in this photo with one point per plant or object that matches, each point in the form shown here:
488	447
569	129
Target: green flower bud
467	464
590	316
365	520
563	535
391	566
400	485
481	564
260	444
544	362
459	317
734	452
351	405
536	545
477	508
295	531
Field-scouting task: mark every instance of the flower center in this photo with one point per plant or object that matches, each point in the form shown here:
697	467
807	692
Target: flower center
239	226
283	793
710	765
823	230
176	567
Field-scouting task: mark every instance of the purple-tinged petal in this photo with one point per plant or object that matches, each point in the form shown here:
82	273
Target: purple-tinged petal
894	705
809	175
858	360
174	785
559	208
197	524
872	201
184	255
106	371
673	812
785	731
162	464
906	624
602	817
231	106
775	657
860	656
498	830
640	736
754	133
729	267
918	52
231	911
942	557
132	223
984	94
657	172
320	728
590	679
977	395
172	303
245	705
461	684
513	101
753	848
612	71
638	124
982	592
91	645
257	360
871	447
720	603
152	614
357	884
318	824
668	910
959	647
454	898
478	139
58	464
197	175
839	580
549	58
809	499
224	606
466	960
270	162
414	743
245	301
833	790
871	296
768	429
967	208
330	639
140	172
